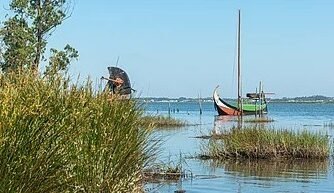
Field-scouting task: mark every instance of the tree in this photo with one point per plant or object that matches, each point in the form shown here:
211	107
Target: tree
25	34
60	60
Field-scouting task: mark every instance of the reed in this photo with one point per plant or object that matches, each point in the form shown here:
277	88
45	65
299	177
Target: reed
59	137
159	121
263	143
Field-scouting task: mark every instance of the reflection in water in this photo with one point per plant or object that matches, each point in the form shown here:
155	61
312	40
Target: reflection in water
223	122
298	170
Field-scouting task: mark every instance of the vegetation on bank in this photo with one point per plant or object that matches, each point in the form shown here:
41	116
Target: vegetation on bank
263	143
58	137
159	121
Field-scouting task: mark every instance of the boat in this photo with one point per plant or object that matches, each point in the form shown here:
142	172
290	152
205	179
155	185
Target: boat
118	82
225	108
259	104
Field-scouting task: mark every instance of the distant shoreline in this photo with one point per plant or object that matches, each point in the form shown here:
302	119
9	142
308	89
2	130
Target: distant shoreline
308	99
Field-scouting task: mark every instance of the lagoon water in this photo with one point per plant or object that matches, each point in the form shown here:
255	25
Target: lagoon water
243	176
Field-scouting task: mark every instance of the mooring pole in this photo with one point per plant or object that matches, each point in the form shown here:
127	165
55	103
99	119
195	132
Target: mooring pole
260	98
169	109
200	104
256	103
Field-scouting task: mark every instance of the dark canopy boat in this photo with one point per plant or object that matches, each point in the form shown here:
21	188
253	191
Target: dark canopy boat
259	105
118	82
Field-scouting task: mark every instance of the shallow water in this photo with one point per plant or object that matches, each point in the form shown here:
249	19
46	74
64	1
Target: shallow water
243	176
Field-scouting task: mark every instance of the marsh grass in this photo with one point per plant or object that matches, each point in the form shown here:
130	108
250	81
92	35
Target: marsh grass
60	137
254	120
259	120
165	172
264	143
159	121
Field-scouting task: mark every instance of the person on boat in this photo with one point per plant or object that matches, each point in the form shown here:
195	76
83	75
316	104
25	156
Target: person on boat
115	84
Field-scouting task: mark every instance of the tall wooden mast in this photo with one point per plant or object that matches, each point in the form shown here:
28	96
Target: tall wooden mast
239	68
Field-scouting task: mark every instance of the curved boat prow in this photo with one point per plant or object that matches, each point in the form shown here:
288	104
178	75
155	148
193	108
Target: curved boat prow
222	107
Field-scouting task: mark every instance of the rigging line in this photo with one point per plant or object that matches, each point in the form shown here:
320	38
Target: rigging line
117	61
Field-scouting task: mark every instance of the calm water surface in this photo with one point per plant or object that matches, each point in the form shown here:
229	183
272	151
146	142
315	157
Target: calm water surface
245	176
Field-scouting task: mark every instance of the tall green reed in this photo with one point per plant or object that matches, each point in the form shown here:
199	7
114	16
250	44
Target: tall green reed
58	137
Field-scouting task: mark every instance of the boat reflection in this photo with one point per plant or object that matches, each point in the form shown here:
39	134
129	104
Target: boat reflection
241	122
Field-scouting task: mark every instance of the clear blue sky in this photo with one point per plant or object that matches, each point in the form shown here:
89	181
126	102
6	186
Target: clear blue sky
185	47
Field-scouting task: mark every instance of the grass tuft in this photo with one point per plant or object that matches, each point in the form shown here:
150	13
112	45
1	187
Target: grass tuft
263	143
259	120
162	121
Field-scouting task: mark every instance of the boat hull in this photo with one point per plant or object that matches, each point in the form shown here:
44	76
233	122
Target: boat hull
224	108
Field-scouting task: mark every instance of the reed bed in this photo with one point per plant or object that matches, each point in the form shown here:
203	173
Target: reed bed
264	143
159	121
58	137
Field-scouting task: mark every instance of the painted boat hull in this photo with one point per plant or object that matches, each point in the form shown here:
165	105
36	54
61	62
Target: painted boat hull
224	108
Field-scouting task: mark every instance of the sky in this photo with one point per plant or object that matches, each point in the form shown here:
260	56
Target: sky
183	48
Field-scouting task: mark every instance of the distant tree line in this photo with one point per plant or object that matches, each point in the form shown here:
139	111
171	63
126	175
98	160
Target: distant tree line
314	98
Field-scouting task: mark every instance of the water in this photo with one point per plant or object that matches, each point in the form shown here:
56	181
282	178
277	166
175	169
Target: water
245	176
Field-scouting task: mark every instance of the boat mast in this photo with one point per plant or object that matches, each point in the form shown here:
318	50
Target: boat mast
239	68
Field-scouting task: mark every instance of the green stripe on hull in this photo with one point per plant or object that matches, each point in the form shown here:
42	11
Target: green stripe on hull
252	107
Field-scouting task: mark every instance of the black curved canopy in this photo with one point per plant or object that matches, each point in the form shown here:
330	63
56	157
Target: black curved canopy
125	88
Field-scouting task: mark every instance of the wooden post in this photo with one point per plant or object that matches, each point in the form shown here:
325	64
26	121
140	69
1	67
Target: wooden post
255	104
260	98
169	109
200	104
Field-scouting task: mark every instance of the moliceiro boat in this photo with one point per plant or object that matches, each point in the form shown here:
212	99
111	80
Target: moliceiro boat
258	106
225	108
